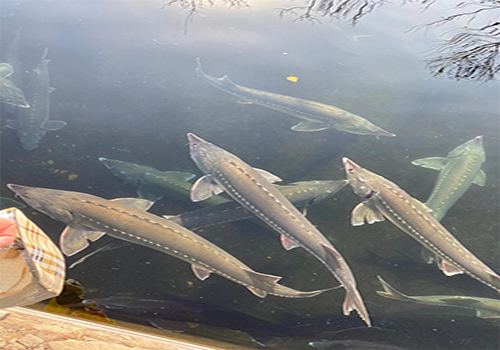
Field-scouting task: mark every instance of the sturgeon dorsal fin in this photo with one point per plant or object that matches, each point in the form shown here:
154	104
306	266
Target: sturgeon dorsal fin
136	203
268	176
362	213
226	81
480	178
204	188
436	163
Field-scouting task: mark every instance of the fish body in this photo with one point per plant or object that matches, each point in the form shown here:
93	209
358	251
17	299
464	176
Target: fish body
383	199
457	172
9	92
317	116
13	60
33	123
302	194
252	188
153	184
483	307
89	217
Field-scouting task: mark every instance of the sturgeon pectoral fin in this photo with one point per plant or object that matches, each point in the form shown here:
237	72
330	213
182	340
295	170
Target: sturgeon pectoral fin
449	269
54	125
136	203
76	239
436	163
287	243
486	314
204	188
309	126
480	178
200	272
362	213
268	176
6	70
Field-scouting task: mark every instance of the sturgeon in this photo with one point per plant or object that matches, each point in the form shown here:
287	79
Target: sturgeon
302	194
383	199
317	116
457	172
89	217
252	188
32	124
154	184
483	307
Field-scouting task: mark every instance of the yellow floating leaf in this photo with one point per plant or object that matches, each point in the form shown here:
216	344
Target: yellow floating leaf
292	78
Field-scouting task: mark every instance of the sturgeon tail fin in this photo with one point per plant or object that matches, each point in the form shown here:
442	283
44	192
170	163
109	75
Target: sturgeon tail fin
268	284
339	268
390	292
354	301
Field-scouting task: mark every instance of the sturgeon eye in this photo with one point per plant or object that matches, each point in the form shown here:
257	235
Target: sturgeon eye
369	195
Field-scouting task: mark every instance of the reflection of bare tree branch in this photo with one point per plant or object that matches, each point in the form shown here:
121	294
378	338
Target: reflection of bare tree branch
472	54
194	6
352	10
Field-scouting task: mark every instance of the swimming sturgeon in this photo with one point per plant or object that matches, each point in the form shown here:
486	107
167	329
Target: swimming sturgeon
483	307
383	199
317	116
302	194
252	188
154	184
457	172
89	217
13	59
33	123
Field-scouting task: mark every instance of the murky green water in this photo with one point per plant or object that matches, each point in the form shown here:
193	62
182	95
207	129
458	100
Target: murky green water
125	84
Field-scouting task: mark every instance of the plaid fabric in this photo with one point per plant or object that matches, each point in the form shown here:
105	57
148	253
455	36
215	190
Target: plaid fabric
42	255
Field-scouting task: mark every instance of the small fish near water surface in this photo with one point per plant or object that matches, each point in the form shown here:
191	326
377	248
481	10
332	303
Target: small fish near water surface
317	116
483	307
383	199
90	217
457	172
33	123
253	189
